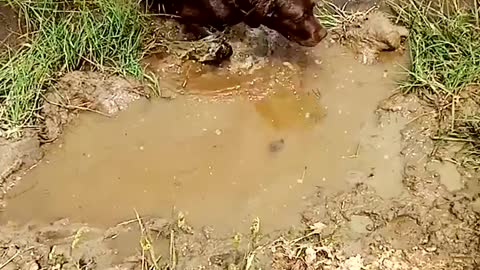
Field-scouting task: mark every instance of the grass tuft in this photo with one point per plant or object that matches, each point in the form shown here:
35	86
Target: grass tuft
444	45
63	36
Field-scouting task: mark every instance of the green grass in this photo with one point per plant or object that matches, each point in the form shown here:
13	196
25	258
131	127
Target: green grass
444	46
62	36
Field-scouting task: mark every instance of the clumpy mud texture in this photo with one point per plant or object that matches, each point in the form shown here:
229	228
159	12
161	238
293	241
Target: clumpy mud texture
66	245
85	91
376	34
60	245
16	156
427	227
173	42
367	33
9	26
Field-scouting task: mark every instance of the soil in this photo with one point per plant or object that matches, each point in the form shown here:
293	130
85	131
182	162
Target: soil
381	196
10	28
85	91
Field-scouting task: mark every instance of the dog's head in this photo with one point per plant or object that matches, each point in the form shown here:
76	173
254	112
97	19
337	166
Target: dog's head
295	20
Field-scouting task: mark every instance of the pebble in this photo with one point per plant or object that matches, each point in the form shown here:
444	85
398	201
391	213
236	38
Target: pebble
277	145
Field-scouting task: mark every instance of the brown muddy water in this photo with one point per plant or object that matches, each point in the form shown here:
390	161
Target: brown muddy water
279	137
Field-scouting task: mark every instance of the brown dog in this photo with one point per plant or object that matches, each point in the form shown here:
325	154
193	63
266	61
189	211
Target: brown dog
293	19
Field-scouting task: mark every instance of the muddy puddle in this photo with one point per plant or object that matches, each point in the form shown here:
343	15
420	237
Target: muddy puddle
278	137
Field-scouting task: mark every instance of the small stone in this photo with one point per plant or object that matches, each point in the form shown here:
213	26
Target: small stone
276	146
310	256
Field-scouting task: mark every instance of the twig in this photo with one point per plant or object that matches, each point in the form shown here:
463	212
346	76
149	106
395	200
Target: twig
173	255
251	257
74	107
455	99
13	257
10	260
300	180
452	139
419	116
146	244
140	224
127	222
357	150
166	15
187	77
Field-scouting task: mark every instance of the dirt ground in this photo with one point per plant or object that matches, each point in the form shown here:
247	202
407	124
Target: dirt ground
435	224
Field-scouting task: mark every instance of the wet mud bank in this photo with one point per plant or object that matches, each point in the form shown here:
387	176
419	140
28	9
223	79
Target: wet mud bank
283	158
432	223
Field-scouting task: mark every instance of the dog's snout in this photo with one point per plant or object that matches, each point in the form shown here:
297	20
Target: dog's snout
315	36
322	34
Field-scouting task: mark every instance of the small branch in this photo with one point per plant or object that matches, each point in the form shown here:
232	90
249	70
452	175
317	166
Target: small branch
452	139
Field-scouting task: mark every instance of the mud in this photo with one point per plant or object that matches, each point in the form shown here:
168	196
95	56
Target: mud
340	174
421	222
85	91
9	27
366	33
17	156
220	132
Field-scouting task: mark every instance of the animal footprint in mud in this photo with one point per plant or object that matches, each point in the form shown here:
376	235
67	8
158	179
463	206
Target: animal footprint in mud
276	145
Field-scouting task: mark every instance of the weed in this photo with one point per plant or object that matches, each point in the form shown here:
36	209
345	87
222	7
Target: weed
63	36
444	45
